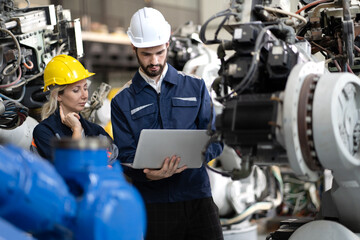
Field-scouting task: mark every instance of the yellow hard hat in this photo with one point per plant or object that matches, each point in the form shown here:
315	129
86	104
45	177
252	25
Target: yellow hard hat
64	69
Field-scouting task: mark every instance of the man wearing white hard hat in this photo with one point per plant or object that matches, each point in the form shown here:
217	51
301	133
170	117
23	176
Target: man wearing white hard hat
178	200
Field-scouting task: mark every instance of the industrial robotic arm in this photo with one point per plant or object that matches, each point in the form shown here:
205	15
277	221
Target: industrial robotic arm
284	106
30	38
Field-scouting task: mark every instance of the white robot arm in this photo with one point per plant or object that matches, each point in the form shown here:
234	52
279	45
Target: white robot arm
285	106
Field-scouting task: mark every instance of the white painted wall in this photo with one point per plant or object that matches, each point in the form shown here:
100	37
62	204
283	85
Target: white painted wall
210	7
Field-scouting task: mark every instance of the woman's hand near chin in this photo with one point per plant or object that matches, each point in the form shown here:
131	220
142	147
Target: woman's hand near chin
72	120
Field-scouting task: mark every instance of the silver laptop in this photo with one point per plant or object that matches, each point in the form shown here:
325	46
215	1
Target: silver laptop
157	144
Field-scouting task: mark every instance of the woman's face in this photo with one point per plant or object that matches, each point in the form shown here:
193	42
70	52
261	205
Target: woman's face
74	97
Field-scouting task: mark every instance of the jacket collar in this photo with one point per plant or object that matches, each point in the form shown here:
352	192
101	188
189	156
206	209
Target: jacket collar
139	83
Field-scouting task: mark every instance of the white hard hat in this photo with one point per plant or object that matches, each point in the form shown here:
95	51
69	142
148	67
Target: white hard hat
148	28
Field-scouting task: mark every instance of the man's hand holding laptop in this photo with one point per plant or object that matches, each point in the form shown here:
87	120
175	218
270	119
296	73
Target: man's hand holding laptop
169	168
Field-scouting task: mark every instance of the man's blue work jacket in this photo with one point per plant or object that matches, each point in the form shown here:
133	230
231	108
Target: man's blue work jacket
184	103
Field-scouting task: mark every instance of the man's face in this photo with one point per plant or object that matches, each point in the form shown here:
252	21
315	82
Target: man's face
152	60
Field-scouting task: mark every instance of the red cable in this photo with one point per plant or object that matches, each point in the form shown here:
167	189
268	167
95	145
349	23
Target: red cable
310	5
29	66
14	82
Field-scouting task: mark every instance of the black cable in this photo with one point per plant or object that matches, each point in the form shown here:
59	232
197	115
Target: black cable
12	114
247	80
255	60
221	25
227	13
213	139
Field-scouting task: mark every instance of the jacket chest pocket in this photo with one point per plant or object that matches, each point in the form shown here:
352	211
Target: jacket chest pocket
143	116
184	111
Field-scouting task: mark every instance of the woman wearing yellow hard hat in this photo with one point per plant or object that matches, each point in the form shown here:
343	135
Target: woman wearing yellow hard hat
66	78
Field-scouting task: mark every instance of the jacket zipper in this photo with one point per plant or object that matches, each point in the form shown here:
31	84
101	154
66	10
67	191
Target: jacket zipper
159	115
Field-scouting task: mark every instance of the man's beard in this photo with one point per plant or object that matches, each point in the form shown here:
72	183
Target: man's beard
150	73
147	68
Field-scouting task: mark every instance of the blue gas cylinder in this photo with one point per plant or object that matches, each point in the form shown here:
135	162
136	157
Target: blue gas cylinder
33	196
108	206
10	232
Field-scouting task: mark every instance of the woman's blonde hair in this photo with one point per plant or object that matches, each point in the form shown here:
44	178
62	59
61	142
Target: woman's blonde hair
50	106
